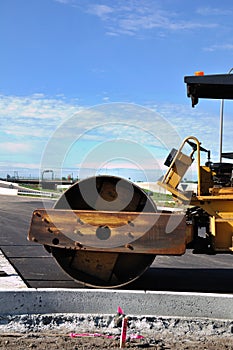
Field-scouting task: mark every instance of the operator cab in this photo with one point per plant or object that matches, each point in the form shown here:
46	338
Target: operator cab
222	174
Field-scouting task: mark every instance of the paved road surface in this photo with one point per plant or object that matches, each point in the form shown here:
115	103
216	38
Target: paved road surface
204	273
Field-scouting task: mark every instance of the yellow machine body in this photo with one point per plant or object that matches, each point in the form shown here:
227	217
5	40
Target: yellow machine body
215	200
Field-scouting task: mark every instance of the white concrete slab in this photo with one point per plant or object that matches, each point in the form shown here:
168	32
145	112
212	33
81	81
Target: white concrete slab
12	279
9	191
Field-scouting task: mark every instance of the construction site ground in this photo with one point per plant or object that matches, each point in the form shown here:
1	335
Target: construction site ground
52	342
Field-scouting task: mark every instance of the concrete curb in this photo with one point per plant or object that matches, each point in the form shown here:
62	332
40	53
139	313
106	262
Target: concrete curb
86	301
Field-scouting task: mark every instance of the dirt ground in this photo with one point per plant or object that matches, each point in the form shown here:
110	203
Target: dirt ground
52	342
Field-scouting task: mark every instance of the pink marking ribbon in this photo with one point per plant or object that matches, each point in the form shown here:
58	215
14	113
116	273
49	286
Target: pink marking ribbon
76	335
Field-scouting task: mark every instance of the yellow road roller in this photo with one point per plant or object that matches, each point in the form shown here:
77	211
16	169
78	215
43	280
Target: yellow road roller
105	231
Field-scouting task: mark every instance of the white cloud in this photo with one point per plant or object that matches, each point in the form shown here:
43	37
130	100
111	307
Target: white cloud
14	147
133	17
66	2
4	166
219	47
27	124
131	22
100	10
34	115
214	11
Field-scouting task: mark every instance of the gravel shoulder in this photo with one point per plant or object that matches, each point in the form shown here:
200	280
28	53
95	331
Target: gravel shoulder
52	342
101	332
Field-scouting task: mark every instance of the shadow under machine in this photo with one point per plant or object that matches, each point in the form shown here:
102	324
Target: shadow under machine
105	231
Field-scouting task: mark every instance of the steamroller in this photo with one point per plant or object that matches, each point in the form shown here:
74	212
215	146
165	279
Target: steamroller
105	231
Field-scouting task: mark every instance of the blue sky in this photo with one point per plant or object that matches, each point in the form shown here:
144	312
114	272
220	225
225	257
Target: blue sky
62	58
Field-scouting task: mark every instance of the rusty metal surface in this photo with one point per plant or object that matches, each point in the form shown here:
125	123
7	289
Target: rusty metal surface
102	269
148	233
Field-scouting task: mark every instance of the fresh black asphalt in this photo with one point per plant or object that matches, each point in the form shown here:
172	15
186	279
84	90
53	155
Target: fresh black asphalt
191	272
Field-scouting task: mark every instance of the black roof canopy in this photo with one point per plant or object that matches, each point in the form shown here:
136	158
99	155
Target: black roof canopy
217	86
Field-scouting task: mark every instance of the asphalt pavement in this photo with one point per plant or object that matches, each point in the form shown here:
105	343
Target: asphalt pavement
38	269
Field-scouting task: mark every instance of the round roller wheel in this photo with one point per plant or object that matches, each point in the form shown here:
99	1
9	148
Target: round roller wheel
103	269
